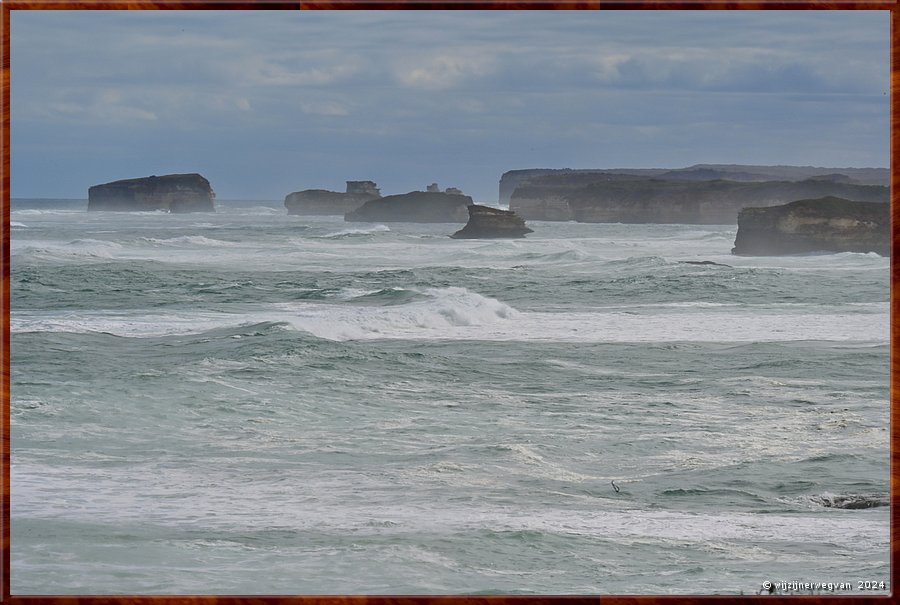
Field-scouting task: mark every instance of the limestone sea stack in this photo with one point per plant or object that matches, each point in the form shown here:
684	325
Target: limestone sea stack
828	224
491	223
170	192
414	207
323	202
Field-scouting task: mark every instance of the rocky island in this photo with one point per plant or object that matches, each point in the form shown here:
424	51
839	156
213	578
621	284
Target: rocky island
171	192
414	207
703	194
829	224
486	222
323	202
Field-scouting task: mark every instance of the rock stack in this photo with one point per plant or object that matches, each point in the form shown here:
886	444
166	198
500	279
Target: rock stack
486	222
171	192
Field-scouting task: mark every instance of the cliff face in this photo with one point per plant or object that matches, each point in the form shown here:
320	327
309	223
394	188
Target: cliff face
512	179
827	224
571	179
414	207
171	192
322	202
486	222
625	199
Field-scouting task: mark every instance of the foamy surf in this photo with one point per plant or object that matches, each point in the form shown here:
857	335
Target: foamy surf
352	232
385	390
456	313
188	240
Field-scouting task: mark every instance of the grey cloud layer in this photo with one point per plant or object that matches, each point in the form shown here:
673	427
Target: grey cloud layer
409	97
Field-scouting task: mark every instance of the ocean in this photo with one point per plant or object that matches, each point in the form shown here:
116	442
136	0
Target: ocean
248	402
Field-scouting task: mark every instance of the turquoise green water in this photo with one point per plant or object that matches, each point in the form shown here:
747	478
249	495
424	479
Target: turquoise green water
249	402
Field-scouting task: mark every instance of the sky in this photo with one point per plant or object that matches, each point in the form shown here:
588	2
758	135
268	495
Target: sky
264	103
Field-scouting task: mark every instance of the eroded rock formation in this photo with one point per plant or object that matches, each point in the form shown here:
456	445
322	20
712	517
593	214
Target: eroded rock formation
323	202
170	192
618	198
828	224
414	207
486	222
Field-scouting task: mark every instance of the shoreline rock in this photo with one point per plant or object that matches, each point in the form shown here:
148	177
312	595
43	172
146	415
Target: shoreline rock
414	207
828	224
176	193
321	202
492	223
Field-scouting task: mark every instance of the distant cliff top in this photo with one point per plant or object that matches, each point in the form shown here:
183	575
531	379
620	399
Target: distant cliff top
698	172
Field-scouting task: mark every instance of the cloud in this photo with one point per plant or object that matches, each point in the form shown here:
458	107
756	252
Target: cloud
261	70
443	70
476	92
107	106
326	108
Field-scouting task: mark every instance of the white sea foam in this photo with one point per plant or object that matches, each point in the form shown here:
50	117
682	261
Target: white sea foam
131	325
79	249
348	232
39	212
447	313
456	313
188	240
277	504
17	224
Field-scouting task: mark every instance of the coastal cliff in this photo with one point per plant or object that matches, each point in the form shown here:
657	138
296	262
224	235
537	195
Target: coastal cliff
322	202
828	224
510	180
414	207
172	192
492	223
626	199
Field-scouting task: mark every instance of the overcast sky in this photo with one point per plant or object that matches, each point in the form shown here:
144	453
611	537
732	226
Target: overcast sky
264	103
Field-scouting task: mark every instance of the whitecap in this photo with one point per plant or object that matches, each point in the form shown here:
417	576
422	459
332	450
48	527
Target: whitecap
350	232
452	313
188	240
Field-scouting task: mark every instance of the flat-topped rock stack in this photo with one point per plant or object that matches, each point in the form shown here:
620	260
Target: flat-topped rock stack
170	192
414	207
321	202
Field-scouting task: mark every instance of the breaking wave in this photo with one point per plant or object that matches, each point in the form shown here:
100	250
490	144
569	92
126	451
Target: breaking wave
431	313
189	240
356	232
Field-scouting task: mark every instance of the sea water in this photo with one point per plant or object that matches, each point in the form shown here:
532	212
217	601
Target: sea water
251	402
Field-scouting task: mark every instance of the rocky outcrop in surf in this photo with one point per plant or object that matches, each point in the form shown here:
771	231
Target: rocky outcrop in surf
492	223
828	224
322	202
414	207
171	192
851	501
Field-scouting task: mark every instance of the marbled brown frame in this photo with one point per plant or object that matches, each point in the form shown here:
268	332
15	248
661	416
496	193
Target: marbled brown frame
7	5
